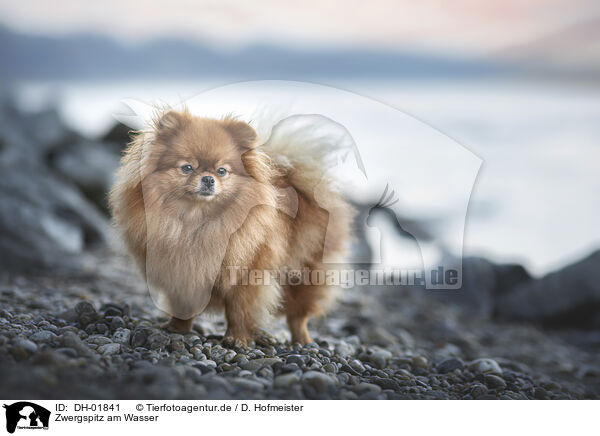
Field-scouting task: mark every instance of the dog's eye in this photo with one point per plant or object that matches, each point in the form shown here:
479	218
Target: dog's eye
187	168
221	171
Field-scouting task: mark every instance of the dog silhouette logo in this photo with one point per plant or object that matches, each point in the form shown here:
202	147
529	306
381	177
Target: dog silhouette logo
26	415
407	230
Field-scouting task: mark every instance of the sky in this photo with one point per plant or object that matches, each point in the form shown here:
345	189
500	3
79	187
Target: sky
465	27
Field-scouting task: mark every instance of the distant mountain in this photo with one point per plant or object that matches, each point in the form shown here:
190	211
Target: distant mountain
574	48
98	57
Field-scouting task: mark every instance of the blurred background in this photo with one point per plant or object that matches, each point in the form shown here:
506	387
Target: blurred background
516	82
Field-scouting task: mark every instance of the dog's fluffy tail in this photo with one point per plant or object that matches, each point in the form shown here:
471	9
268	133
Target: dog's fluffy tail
306	153
306	150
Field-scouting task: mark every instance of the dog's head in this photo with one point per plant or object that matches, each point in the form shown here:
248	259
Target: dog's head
202	162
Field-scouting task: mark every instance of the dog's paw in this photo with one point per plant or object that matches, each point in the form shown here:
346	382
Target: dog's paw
264	339
235	343
175	325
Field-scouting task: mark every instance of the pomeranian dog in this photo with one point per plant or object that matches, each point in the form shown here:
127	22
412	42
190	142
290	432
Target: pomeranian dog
199	204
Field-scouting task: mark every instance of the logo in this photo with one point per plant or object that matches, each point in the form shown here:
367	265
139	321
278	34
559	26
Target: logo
410	186
26	415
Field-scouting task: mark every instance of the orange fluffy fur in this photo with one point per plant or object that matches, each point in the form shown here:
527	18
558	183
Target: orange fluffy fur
184	243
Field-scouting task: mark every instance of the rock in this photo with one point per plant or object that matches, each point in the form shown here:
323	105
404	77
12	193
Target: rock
297	359
116	322
290	367
377	357
319	381
247	384
139	337
217	353
286	380
86	313
56	223
109	349
485	366
101	328
435	395
71	340
68	315
111	310
176	346
90	166
478	389
256	354
385	383
122	336
118	136
540	393
98	340
240	358
85	308
377	335
344	349
27	345
157	341
229	356
19	353
569	297
357	366
419	362
330	367
482	282
43	336
449	365
494	382
265	372
47	130
256	364
362	389
197	353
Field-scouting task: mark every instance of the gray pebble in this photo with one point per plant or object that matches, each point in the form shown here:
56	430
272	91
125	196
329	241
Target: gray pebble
478	389
43	336
285	380
540	393
229	356
116	322
70	340
449	365
109	349
157	341
419	362
319	381
494	382
297	359
246	384
176	346
366	388
357	366
122	336
485	366
139	338
98	340
256	364
330	367
101	328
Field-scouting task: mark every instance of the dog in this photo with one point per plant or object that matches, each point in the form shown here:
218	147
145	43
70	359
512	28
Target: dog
198	202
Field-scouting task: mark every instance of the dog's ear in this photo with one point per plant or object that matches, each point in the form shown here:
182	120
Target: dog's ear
241	132
170	122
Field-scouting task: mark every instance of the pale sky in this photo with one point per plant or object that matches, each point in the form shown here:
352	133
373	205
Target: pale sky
472	27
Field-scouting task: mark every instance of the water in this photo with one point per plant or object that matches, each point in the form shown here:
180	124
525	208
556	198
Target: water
535	199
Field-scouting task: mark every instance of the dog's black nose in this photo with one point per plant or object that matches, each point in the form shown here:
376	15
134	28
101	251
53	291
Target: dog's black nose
208	180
